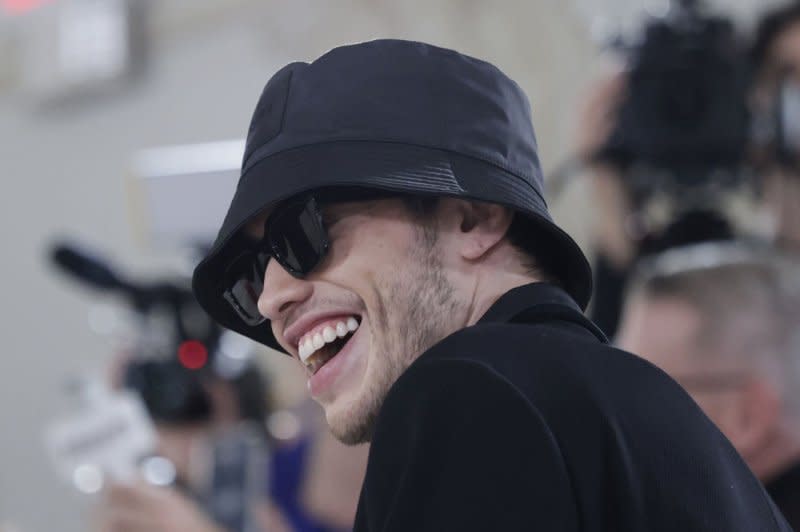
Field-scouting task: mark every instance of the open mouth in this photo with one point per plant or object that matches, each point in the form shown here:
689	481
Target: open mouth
319	347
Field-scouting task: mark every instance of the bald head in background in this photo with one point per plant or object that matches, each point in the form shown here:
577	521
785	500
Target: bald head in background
723	320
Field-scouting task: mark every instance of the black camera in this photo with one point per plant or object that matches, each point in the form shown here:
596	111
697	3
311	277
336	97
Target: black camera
177	349
679	143
685	114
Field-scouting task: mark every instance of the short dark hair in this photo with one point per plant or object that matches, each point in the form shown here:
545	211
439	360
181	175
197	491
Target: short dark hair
538	251
532	250
770	27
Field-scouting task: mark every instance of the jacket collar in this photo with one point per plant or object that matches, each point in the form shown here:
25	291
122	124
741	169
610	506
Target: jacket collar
521	298
539	302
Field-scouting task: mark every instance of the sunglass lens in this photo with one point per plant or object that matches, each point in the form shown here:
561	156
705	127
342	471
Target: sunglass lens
244	284
298	238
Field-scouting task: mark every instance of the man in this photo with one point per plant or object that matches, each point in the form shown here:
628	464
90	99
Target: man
389	231
775	57
723	321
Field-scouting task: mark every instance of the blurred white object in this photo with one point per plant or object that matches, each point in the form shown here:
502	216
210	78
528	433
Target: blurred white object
284	425
184	191
107	438
77	46
88	478
158	471
234	355
608	19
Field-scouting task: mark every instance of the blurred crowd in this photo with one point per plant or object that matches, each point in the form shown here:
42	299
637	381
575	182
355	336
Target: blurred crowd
694	168
691	151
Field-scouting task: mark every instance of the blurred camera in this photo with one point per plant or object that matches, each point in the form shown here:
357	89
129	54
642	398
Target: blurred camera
682	129
176	348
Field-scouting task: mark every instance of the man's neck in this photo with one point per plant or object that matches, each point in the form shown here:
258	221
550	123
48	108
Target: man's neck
489	289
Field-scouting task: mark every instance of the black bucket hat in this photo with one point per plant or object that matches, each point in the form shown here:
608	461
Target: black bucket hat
397	116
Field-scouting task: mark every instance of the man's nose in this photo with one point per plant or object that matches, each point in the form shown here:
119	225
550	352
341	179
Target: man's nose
281	290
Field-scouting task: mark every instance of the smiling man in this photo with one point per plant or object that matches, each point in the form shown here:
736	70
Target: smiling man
357	331
389	232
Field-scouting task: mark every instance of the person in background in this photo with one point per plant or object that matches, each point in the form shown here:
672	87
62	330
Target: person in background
311	483
195	417
314	483
775	59
724	321
613	246
314	479
236	467
200	388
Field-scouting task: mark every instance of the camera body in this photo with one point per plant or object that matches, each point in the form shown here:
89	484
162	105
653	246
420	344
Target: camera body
686	108
682	129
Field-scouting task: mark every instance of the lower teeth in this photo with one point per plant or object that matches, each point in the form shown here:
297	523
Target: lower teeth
317	360
325	353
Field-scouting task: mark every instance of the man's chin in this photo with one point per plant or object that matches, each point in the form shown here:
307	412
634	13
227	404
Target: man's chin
351	427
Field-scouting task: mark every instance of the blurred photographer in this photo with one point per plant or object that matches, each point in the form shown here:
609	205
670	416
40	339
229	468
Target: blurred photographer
724	321
775	56
209	430
205	397
663	138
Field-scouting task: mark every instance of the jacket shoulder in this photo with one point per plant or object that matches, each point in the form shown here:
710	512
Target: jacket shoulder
624	428
456	447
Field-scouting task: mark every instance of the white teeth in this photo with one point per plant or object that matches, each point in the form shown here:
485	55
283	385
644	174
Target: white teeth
318	341
312	343
305	349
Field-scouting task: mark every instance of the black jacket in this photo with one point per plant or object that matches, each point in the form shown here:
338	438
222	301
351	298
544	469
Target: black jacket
785	491
539	426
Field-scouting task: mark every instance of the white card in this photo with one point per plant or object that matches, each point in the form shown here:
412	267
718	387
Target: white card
107	439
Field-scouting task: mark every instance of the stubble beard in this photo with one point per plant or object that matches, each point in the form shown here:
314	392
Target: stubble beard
414	311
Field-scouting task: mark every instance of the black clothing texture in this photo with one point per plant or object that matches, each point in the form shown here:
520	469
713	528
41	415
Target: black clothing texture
785	491
528	421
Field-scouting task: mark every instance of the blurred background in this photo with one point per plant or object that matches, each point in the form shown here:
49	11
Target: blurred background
121	127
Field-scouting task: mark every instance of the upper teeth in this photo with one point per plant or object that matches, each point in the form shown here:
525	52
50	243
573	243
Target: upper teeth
311	343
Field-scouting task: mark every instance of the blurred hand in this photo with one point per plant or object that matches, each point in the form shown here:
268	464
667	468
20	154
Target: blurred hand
145	508
598	113
612	211
596	120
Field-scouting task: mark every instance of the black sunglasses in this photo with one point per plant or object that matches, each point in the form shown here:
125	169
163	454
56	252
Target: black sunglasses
294	235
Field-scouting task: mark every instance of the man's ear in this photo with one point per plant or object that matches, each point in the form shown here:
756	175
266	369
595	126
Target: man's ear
479	226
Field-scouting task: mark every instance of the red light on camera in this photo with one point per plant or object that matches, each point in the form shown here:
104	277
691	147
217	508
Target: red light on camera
192	354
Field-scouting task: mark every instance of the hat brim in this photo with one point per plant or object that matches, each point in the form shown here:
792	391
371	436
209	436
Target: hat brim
389	166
